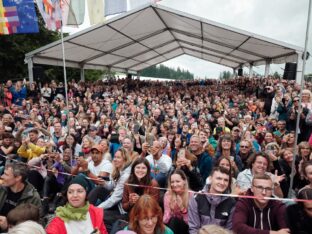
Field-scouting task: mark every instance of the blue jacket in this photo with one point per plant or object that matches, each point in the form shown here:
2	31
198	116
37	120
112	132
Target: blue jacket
18	96
204	162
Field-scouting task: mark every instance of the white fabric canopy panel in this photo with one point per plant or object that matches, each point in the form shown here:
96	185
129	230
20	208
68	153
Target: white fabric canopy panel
154	34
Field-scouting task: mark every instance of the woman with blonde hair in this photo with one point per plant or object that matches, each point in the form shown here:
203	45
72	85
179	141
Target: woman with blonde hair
187	162
176	201
127	144
306	99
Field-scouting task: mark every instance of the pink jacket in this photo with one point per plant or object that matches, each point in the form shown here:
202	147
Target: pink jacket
57	225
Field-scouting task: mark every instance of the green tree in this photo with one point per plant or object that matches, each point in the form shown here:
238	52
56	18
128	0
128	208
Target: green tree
225	75
163	71
308	77
14	47
277	75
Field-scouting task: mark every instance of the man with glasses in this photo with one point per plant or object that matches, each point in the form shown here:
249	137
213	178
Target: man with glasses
245	151
260	215
281	129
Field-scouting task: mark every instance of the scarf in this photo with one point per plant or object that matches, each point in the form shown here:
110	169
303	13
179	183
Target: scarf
67	212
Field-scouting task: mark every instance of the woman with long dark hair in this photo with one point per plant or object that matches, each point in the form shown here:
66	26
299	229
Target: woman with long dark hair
226	148
140	182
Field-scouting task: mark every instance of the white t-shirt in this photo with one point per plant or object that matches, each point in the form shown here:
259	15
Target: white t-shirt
104	166
163	164
79	227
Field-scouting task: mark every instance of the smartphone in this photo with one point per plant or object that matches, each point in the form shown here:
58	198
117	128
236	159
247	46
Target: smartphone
181	153
219	129
29	125
149	138
136	128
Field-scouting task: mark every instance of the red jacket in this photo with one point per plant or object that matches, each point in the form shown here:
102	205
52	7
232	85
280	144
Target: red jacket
57	226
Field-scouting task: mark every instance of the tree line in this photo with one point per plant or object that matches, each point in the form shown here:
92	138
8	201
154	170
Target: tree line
162	71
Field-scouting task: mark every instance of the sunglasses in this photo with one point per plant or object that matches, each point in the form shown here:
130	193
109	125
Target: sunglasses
244	146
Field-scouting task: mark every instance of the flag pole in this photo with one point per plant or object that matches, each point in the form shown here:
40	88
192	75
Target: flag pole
64	63
293	170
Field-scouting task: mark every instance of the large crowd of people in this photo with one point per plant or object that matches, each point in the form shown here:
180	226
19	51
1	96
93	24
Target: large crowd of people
152	157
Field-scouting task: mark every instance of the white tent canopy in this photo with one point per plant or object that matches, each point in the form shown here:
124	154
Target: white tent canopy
154	34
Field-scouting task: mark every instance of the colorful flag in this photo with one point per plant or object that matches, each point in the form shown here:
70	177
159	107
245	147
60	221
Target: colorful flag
96	11
113	7
51	13
76	12
18	16
65	10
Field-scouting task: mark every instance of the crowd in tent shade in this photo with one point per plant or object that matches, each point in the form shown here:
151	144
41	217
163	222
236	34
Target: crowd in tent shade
151	157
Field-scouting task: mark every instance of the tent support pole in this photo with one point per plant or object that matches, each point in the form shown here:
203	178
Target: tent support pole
82	74
64	66
30	66
267	68
293	170
299	72
250	70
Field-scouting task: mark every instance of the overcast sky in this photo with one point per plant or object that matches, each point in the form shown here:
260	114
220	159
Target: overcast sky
283	20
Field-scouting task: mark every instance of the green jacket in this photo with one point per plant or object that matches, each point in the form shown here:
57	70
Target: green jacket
29	195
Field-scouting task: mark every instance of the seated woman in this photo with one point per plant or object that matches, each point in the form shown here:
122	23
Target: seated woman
176	202
146	217
140	182
285	166
226	148
127	143
77	216
71	142
111	192
307	173
187	162
299	216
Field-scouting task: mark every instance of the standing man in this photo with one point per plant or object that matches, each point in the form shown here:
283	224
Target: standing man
209	209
